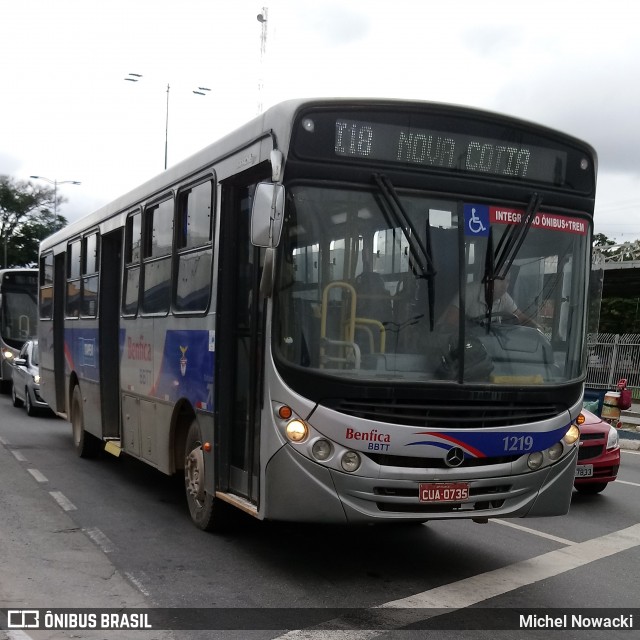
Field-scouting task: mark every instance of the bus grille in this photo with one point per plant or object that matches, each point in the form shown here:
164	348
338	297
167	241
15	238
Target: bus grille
460	415
408	462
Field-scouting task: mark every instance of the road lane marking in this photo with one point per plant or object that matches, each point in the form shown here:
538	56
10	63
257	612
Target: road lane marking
138	584
18	455
534	532
473	590
37	475
633	453
633	484
100	539
62	500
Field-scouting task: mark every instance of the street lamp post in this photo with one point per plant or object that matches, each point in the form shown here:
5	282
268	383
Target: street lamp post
55	184
135	77
262	19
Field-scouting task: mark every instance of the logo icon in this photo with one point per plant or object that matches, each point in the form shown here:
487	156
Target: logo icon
183	361
476	220
454	457
23	619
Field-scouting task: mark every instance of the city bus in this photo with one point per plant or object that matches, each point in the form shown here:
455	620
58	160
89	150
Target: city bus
18	316
286	318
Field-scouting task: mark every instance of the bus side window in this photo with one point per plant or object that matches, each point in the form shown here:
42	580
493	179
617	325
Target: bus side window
133	246
157	243
193	286
73	279
90	262
46	287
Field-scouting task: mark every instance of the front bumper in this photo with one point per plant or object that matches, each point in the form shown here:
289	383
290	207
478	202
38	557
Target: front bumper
302	490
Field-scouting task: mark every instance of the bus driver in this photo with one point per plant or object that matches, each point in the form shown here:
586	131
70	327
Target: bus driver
477	308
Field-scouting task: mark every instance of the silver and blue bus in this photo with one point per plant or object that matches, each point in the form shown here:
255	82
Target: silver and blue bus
346	311
18	316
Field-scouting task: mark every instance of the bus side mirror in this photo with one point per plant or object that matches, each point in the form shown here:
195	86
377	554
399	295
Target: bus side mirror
267	214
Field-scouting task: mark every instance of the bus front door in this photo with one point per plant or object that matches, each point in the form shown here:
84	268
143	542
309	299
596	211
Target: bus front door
109	318
239	345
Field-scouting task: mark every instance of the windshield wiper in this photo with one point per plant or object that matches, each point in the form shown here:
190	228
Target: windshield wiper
422	253
513	238
497	263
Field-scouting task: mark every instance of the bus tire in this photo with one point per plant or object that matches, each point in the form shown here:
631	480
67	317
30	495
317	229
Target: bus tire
206	512
85	444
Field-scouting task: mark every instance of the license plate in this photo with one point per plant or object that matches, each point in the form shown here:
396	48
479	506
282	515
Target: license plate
584	471
444	491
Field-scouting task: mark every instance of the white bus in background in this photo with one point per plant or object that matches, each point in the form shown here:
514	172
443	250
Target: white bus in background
284	317
18	316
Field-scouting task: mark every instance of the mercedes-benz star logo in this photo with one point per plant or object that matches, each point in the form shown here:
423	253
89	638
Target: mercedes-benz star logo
454	457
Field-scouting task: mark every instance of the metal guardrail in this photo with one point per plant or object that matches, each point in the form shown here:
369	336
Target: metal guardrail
613	356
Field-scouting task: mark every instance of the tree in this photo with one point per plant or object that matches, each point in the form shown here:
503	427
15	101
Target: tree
618	314
26	217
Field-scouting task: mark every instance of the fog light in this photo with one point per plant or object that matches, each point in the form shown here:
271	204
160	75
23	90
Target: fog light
321	449
572	434
350	461
297	431
555	451
535	460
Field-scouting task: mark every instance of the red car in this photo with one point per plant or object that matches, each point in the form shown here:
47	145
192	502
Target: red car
598	456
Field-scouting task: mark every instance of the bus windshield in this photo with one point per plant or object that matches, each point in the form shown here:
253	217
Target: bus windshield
382	283
19	316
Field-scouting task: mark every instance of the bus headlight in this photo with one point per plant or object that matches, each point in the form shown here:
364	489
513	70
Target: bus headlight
535	460
572	434
321	449
297	431
555	451
350	461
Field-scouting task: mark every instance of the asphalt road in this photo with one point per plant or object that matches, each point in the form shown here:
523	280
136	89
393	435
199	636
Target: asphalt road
136	520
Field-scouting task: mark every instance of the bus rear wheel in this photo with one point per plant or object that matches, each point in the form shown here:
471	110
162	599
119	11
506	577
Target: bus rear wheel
86	445
207	513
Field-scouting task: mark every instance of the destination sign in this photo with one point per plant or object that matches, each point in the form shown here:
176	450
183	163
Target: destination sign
447	150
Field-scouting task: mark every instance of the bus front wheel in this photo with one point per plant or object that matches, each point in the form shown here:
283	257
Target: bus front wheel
206	512
85	444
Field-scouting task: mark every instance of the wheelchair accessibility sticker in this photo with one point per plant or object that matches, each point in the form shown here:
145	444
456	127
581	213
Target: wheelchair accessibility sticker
476	220
479	217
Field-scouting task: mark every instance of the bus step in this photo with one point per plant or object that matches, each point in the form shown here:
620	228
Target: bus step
238	501
113	447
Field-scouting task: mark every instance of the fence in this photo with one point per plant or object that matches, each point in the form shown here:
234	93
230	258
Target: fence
612	357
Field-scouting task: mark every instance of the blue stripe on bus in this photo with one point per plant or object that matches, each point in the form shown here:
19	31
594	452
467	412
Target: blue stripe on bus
481	444
185	371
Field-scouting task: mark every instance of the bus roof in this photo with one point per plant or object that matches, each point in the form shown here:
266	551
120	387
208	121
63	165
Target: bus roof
264	126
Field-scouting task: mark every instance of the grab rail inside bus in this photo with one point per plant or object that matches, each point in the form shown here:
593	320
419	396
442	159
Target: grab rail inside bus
347	325
24	327
349	322
367	325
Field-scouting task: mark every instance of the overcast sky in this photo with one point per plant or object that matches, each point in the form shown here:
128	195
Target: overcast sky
67	113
